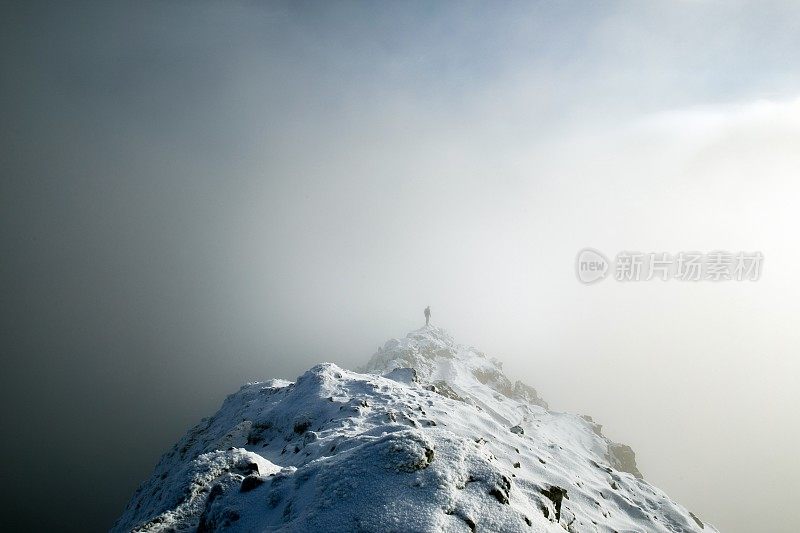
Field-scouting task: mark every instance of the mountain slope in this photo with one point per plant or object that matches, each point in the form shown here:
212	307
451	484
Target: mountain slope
431	436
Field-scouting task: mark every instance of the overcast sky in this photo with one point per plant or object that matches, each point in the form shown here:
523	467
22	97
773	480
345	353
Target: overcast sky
195	195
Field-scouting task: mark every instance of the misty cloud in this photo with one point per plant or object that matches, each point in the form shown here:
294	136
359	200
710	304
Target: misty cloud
198	196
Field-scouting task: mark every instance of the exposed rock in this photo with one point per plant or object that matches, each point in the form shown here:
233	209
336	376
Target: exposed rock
501	489
555	495
622	457
249	483
697	520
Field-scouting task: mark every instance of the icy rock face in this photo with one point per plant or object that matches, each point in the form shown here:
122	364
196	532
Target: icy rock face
431	436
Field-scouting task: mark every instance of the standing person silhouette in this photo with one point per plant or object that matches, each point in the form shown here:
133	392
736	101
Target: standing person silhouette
427	315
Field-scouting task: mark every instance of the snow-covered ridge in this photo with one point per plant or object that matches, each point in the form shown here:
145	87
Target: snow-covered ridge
436	358
431	436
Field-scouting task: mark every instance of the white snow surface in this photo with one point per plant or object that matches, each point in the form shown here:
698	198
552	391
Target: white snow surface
430	436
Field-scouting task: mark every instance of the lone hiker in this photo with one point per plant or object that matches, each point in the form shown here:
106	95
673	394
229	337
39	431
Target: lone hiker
427	315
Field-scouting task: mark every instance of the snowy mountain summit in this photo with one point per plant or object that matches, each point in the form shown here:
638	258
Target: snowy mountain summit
428	436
